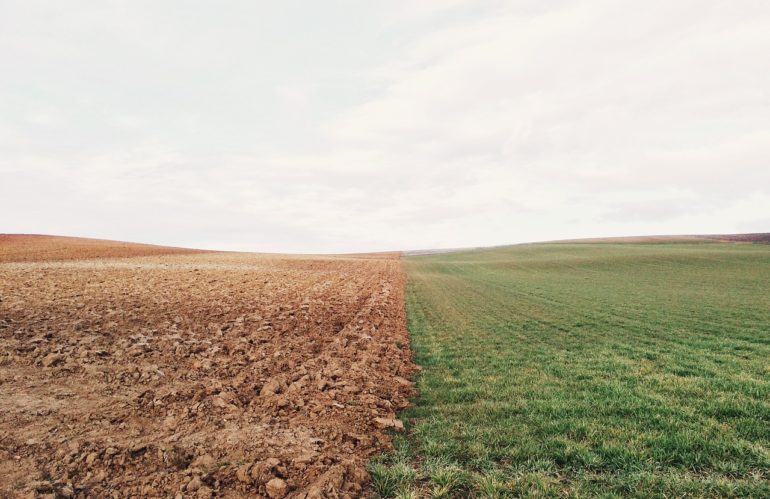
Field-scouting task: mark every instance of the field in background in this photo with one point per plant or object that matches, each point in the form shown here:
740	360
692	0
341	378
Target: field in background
584	369
35	247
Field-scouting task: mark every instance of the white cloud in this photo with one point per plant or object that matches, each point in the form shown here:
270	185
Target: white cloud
362	127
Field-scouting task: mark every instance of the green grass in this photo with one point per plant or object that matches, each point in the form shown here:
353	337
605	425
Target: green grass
588	370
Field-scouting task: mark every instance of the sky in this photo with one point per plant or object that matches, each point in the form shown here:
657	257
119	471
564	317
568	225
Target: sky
344	126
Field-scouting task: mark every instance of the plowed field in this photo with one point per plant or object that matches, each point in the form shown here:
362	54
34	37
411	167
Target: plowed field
195	375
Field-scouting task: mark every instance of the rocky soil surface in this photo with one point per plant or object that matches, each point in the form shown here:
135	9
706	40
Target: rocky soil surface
198	375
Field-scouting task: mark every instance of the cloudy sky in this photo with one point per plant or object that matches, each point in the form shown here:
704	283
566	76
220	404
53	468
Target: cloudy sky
355	125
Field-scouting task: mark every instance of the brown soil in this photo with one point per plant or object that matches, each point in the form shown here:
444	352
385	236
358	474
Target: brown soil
197	375
34	248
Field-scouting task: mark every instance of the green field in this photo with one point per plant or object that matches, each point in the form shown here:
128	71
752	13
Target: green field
587	369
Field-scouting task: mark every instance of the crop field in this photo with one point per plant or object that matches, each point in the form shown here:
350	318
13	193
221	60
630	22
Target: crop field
140	371
571	369
587	370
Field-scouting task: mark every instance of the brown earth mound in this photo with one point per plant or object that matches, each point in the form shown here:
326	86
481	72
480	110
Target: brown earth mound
213	374
36	248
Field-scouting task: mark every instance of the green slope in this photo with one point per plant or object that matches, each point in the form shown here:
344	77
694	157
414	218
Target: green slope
588	369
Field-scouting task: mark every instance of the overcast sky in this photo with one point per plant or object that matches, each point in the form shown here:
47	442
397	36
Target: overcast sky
350	126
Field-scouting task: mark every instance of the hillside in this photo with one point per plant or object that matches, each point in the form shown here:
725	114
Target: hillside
759	237
590	369
36	248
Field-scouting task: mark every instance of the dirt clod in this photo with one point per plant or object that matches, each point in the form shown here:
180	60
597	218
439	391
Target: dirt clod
276	488
271	387
389	423
194	484
52	360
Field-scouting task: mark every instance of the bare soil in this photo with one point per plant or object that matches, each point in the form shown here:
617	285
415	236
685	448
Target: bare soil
33	247
196	374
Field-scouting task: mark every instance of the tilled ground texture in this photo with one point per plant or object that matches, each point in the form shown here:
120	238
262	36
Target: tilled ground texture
32	247
199	375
